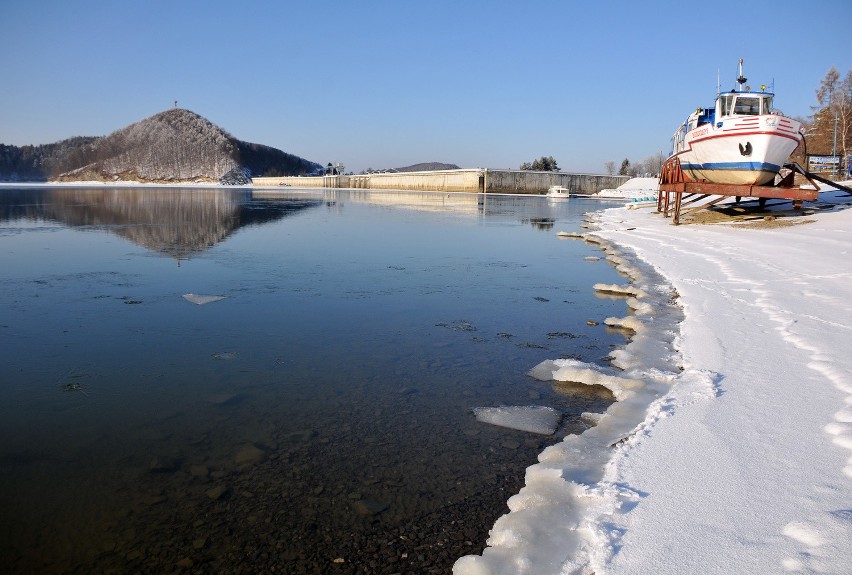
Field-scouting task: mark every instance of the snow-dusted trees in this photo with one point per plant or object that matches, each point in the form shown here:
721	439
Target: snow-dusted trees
39	163
175	145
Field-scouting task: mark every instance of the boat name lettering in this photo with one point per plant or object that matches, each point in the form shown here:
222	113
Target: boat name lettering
698	133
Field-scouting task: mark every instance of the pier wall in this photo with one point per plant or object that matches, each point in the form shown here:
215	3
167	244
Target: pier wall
464	180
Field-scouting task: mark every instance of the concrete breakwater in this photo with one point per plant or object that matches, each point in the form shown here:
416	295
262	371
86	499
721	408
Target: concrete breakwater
477	180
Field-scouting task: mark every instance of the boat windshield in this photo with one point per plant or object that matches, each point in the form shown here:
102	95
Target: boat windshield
745	104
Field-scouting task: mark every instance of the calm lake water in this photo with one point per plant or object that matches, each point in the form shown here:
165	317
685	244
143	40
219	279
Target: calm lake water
318	418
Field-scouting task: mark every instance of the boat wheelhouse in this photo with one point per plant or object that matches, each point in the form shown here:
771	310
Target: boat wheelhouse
741	140
558	192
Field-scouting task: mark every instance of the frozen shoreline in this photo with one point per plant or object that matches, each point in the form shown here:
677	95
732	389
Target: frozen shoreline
740	462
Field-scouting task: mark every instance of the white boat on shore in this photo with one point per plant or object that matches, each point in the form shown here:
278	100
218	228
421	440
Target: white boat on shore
556	192
741	140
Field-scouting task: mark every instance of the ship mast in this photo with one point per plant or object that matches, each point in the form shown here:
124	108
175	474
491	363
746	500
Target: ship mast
741	79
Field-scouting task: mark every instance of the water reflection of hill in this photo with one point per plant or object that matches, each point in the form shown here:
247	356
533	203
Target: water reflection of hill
173	222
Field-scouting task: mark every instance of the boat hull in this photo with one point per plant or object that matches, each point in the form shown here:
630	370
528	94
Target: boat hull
747	150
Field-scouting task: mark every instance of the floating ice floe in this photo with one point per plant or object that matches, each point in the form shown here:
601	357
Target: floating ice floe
201	299
532	418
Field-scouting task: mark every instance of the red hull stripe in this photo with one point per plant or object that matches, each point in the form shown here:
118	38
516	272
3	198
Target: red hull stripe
759	133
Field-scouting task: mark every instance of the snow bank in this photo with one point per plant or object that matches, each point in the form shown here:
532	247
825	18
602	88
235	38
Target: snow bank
634	188
730	449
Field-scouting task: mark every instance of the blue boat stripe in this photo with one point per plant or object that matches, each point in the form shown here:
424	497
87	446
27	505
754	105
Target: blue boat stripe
734	166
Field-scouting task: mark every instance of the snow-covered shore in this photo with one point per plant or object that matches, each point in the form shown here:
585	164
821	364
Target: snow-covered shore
729	448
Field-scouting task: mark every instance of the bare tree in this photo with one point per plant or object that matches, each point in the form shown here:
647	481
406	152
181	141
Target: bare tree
831	128
844	112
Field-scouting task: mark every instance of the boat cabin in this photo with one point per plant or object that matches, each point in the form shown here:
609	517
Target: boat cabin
728	104
734	104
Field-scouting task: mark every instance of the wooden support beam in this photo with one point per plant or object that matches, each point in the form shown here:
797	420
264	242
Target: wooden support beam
733	190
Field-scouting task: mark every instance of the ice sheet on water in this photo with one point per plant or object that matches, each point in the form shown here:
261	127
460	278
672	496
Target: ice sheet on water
532	418
202	299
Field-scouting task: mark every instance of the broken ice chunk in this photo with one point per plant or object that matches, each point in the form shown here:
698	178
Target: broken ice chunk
532	418
202	299
589	374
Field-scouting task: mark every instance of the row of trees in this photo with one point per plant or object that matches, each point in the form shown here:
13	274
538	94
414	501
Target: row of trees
39	163
650	166
543	164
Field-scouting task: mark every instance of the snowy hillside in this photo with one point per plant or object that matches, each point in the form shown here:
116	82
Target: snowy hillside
173	146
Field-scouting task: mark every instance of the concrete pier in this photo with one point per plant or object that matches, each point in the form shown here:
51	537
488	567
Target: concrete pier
477	180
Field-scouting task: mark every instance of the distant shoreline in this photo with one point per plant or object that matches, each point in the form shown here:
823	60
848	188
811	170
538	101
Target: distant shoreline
212	186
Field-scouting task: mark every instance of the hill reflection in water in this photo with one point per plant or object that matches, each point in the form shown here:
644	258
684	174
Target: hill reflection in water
175	222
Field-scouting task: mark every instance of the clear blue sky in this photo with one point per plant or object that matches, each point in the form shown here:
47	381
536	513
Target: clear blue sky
390	83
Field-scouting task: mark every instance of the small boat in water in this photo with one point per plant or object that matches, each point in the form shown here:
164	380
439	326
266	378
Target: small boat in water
741	140
558	192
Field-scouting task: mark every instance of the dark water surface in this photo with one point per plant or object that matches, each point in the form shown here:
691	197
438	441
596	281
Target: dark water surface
315	420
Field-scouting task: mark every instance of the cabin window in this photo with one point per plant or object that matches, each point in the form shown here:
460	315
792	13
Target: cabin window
747	106
725	103
767	105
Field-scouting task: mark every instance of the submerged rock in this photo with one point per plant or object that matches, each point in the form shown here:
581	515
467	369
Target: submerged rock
368	507
199	471
249	454
225	398
218	492
162	464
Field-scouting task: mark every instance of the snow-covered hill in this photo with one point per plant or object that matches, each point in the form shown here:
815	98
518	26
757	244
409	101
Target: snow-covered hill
173	146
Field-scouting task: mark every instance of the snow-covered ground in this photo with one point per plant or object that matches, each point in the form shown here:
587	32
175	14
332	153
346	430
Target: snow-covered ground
729	449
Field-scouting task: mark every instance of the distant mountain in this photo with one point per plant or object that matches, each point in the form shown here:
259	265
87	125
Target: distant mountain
428	167
173	146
